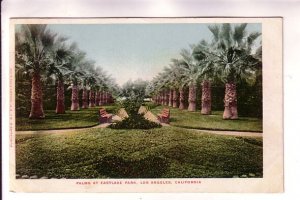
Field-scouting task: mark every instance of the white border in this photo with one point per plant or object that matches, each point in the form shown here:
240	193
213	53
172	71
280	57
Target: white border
288	9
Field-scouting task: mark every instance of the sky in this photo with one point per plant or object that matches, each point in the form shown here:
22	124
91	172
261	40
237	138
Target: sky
133	51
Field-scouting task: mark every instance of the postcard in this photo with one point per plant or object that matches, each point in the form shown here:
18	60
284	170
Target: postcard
146	105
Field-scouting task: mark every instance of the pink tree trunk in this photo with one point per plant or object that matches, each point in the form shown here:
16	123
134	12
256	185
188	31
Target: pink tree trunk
181	99
74	98
166	98
60	98
101	99
104	98
109	98
84	98
170	98
92	99
192	97
97	98
175	98
37	111
230	102
160	99
206	98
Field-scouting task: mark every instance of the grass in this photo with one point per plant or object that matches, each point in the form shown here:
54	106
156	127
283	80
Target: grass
180	118
194	120
168	152
71	119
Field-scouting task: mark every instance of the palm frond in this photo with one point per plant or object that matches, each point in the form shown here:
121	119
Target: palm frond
226	34
251	38
239	32
215	30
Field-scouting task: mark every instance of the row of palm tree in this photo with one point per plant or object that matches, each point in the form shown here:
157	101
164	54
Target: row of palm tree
230	57
42	54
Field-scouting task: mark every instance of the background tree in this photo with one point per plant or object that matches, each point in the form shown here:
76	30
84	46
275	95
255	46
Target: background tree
179	80
59	69
191	74
135	88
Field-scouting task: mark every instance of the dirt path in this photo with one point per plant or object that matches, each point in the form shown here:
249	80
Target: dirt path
150	116
233	133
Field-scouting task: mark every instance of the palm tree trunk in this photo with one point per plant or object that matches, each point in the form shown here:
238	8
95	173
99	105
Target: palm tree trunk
181	99
175	98
109	98
230	102
97	98
84	98
37	111
206	98
160	99
105	98
166	98
192	97
74	98
112	100
170	98
60	98
92	98
101	98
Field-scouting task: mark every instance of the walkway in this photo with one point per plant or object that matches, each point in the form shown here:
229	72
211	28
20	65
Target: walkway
233	133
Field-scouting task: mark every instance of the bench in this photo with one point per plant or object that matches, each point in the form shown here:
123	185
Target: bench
104	117
164	117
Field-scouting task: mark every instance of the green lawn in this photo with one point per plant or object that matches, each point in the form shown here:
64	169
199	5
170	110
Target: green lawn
71	119
179	118
167	152
186	119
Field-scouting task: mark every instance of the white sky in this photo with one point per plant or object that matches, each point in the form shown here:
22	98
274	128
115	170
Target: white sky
132	51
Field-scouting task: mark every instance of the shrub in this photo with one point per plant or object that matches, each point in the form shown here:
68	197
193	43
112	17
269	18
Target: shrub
136	121
150	105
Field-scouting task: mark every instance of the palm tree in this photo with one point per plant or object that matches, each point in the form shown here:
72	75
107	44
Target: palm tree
76	77
167	84
92	84
60	69
154	89
60	72
232	55
191	74
178	82
164	87
207	74
97	95
84	94
33	45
